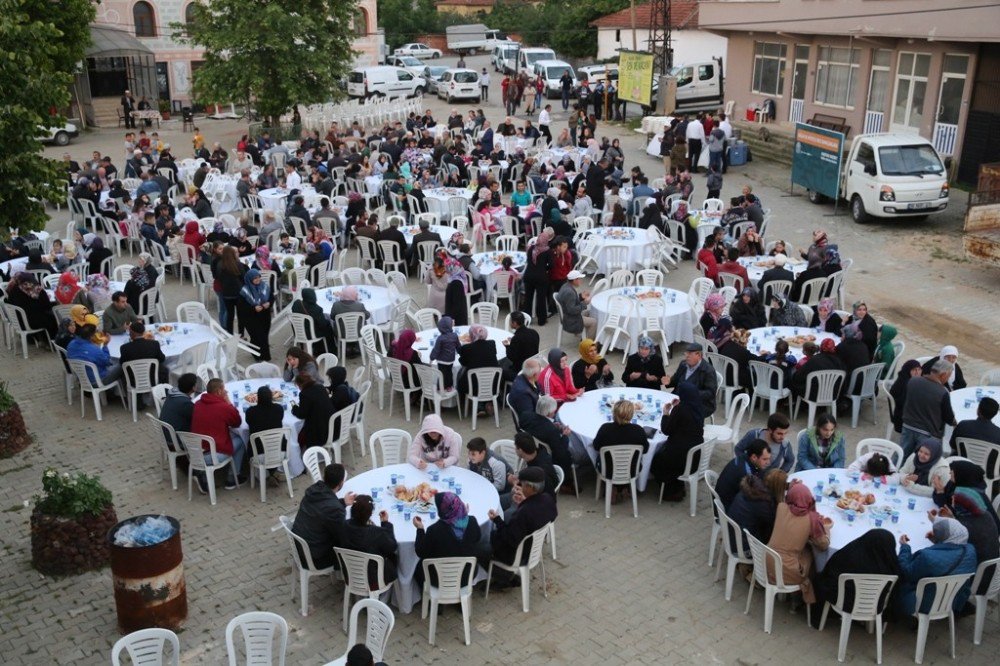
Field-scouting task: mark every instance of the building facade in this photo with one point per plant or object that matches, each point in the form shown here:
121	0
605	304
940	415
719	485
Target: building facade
690	44
907	66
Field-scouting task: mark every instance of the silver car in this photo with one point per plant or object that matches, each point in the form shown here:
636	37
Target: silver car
432	77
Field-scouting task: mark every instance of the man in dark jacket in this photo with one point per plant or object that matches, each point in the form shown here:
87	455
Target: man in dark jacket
779	272
534	456
757	459
521	346
541	425
824	360
298	209
140	348
178	406
696	369
595	182
321	515
535	509
425	235
981	427
392	233
524	390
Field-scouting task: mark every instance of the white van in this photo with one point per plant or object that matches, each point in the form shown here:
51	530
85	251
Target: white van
595	73
459	84
528	57
552	71
502	56
384	81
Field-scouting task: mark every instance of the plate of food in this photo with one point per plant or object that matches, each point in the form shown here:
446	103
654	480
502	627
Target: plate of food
799	340
164	328
642	296
251	398
465	338
422	493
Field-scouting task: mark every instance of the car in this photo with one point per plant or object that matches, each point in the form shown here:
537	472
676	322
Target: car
417	50
407	62
432	76
384	81
459	84
59	135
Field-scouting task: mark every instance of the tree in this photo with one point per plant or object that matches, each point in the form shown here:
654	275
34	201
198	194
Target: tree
272	53
43	41
573	35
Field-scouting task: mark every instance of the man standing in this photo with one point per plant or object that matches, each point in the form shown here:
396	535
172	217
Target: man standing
695	135
574	306
484	86
544	118
214	416
321	516
566	86
716	146
596	175
128	106
927	408
696	370
727	129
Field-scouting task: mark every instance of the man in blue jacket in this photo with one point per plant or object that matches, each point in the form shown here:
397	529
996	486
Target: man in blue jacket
81	348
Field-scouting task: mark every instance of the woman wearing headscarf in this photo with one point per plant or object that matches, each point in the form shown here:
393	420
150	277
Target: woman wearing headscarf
785	312
825	318
865	322
908	370
24	292
435	444
951	554
970	507
36	263
950	354
813	270
265	415
747	311
137	283
98	253
885	353
68	288
341	393
313	255
315	409
715	304
437	281
556	380
479	352
254	308
193	235
402	349
145	262
831	260
683	422
924	465
348	302
853	354
872	553
240	241
68	257
825	359
219	234
967	485
798	529
591	371
308	306
456	534
644	368
733	344
537	286
456	304
262	261
755	504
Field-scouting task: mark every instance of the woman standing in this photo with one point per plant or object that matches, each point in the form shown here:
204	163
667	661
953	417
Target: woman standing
822	446
228	273
798	528
254	307
683	422
885	353
536	277
591	371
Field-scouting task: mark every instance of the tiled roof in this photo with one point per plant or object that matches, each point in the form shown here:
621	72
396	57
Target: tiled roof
683	14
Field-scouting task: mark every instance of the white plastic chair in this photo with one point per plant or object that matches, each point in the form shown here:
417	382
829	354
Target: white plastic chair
827	383
311	458
713	205
649	277
981	601
730	372
348	327
891	450
621	278
620	458
711	480
946	588
357	425
484	386
694	473
192	443
170	451
868	376
729	433
354	568
768	384
392	446
505	449
450	572
989	378
263	370
701	288
732	548
18	321
340	423
303	333
425	318
891	407
325	362
537	539
190	359
258	629
300	550
761	555
397	369
432	389
506	243
484	314
379	626
267	454
871	596
354	275
616	325
69	379
139	379
84	370
146	648
979	452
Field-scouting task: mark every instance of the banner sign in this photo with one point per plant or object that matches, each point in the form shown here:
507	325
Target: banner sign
635	77
816	159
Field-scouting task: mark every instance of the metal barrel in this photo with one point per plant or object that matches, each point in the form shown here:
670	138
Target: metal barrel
149	581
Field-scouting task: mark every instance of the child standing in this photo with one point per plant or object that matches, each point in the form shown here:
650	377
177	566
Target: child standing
445	351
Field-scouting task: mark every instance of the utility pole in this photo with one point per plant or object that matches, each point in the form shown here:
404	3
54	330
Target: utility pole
635	45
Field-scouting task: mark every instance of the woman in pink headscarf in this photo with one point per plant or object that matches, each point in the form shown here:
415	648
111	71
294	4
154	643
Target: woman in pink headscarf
402	349
714	305
480	352
798	528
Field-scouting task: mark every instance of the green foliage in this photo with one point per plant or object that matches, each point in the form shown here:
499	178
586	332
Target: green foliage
72	496
6	399
563	25
43	41
405	20
273	54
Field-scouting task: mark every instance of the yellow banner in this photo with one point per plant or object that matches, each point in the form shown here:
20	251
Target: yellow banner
635	77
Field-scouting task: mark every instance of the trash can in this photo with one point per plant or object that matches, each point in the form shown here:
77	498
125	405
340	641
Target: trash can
738	154
147	569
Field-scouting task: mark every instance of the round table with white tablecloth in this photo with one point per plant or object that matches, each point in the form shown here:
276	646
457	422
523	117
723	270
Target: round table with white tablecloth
276	198
281	258
764	339
489	263
965	403
757	265
174	337
912	519
13	266
678	318
554	156
585	415
640	243
437	198
444	232
427	337
475	490
238	392
377	300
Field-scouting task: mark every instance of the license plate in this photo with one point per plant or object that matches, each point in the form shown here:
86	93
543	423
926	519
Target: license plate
917	206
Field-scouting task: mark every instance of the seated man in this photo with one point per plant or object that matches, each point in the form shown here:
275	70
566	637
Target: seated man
524	392
981	427
491	467
774	433
178	407
698	371
321	516
215	416
541	425
534	456
732	265
535	510
139	348
755	460
120	315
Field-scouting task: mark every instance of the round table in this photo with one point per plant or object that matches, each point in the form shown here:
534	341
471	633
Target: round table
764	339
638	241
914	522
175	342
488	263
585	415
476	491
444	232
376	300
274	198
298	259
756	271
13	266
437	198
554	156
426	338
238	390
677	322
965	402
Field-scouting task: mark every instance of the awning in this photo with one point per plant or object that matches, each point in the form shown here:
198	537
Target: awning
109	42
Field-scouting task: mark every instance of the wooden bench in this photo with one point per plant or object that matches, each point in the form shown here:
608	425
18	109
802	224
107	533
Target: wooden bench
835	123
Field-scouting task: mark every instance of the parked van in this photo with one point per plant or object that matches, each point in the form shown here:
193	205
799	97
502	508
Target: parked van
599	72
528	57
551	72
502	56
459	84
384	81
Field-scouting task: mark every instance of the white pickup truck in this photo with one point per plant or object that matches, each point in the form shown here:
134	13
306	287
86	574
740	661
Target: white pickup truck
472	37
892	175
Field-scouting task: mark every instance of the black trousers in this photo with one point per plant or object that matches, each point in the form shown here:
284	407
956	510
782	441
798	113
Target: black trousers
694	152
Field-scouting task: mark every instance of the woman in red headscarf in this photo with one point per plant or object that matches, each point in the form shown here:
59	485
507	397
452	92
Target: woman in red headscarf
825	359
68	287
798	528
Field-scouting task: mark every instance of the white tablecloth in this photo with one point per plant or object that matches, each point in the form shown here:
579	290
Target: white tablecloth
585	415
477	492
764	339
376	300
426	338
757	272
678	319
914	523
965	402
444	232
373	184
637	240
655	124
437	199
276	198
280	257
554	156
13	266
173	343
238	390
488	264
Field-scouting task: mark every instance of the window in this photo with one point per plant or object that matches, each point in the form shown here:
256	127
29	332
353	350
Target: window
909	160
618	35
404	76
361	23
145	22
189	13
706	72
865	155
836	76
684	76
769	68
878	89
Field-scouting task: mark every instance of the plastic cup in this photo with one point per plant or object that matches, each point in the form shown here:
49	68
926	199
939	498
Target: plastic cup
393	479
818	497
399	506
850	516
432	514
832	478
402	478
895	517
451	482
893	489
819	486
911	504
407	513
458	489
878	521
374	493
878	482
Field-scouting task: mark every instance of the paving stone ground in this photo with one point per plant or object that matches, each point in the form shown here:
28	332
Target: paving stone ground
624	590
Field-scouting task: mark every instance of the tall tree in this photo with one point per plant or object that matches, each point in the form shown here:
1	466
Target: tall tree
42	42
271	53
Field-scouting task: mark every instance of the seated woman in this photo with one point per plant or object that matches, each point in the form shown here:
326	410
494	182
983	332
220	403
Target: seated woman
341	393
867	324
308	306
951	554
747	311
780	358
265	415
715	304
924	465
644	369
37	263
24	292
359	533
620	430
138	282
786	313
853	354
821	446
456	534
825	359
798	528
435	443
98	253
402	349
298	361
875	465
885	353
482	223
683	423
825	319
872	553
733	344
755	504
480	352
591	371
556	379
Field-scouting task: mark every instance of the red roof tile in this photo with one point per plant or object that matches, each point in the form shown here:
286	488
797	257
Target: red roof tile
683	14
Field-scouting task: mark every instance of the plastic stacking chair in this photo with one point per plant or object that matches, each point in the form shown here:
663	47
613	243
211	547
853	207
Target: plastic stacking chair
311	458
258	629
732	548
616	469
761	554
303	572
392	446
354	568
146	647
694	473
380	624
268	455
891	450
988	570
946	588
454	586
871	596
537	539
